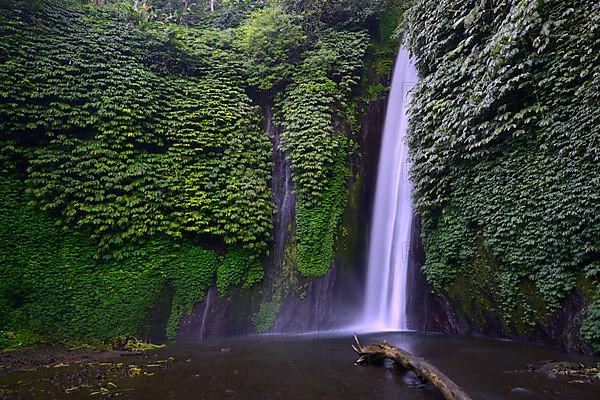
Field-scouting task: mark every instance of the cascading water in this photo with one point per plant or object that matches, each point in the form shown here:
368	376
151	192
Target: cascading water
389	246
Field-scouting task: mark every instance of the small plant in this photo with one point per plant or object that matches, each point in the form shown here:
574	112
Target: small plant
265	317
10	340
132	343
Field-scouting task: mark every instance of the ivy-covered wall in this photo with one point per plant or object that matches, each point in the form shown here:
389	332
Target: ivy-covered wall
505	139
54	284
129	146
135	163
133	132
317	99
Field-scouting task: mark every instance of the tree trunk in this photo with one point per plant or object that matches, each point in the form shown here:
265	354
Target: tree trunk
424	370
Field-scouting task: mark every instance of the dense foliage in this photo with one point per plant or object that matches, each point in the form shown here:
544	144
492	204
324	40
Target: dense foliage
140	139
115	146
505	143
269	41
54	285
130	144
316	148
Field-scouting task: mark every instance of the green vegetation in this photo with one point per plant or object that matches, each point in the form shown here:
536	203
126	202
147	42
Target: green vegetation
114	145
232	271
317	148
55	285
14	340
283	283
317	221
268	42
131	144
267	313
504	138
126	147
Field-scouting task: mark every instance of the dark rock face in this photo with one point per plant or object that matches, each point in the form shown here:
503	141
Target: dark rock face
429	312
217	317
284	199
314	311
562	330
370	143
154	327
564	327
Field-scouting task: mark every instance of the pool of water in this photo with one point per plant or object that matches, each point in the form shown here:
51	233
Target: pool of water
316	366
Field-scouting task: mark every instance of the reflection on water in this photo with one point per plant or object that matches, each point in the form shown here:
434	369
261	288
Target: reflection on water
320	366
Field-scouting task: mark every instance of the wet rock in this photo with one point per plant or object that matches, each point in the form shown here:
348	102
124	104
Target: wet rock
579	372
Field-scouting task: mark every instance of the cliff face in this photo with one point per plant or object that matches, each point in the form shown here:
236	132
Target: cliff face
142	141
134	159
287	303
504	141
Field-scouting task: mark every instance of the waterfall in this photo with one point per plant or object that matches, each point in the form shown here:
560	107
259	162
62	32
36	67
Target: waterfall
389	245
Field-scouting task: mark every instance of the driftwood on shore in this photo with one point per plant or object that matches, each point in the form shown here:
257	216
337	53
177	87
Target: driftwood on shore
424	370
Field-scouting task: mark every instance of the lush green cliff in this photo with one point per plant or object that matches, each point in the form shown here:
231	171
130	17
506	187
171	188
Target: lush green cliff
134	158
505	139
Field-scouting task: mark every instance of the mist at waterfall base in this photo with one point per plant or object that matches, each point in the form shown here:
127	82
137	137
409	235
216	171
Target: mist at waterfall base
385	304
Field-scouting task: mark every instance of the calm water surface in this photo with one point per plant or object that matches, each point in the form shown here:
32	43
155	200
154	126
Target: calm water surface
321	367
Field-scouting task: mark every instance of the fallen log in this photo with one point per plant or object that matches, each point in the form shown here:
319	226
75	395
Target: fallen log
377	352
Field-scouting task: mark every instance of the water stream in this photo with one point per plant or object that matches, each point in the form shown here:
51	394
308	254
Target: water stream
385	299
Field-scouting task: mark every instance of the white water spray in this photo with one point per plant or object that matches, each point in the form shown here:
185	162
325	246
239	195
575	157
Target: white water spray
385	301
